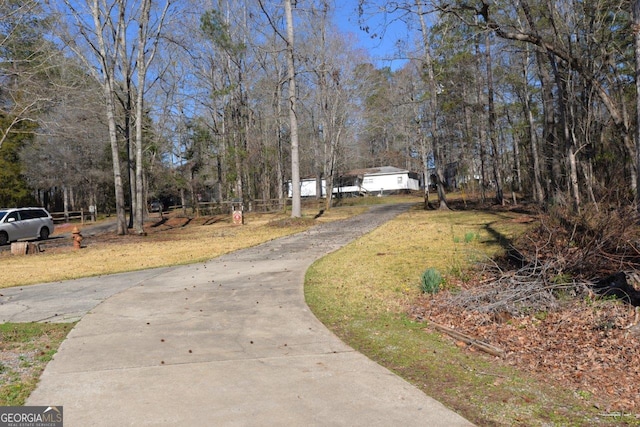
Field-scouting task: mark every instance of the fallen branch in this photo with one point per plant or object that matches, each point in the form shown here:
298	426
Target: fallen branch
481	345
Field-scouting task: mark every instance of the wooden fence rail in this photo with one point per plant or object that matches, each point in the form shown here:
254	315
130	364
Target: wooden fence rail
81	215
215	208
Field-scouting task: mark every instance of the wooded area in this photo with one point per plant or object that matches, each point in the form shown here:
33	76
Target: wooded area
117	103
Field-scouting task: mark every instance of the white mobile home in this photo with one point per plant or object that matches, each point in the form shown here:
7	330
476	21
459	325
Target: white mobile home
385	179
308	188
382	180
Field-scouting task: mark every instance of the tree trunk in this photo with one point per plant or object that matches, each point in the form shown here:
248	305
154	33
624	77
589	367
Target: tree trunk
183	201
636	31
517	166
433	97
121	227
125	96
573	175
425	168
495	155
550	149
131	155
145	10
319	173
65	202
102	60
538	193
219	198
331	166
482	131
280	160
561	84
296	209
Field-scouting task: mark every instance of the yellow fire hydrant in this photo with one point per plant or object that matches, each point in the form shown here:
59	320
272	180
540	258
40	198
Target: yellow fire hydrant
77	238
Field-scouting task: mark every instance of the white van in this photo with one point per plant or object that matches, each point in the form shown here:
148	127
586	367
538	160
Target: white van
24	223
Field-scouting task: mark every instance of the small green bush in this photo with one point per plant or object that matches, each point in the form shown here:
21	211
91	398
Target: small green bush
470	237
431	281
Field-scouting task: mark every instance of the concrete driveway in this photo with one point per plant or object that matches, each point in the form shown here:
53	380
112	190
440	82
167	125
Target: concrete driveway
229	342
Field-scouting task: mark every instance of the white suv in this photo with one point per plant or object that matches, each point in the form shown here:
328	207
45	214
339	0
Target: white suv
24	223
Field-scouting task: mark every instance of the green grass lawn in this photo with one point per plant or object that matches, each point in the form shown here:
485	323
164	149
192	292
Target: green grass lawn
25	350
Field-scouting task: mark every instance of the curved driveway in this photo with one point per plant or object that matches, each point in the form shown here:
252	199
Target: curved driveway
229	342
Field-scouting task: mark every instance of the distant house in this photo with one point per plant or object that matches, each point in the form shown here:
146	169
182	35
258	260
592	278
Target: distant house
309	188
382	180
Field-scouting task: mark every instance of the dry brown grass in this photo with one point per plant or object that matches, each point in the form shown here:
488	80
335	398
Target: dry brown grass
179	240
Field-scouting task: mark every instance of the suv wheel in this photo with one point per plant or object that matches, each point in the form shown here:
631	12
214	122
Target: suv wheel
44	233
4	238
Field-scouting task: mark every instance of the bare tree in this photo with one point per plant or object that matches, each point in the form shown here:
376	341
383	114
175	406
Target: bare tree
525	95
98	32
491	125
433	112
70	149
296	209
561	52
272	104
146	54
95	38
25	61
332	63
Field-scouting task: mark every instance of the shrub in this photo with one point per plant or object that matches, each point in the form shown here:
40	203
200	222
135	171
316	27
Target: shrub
431	281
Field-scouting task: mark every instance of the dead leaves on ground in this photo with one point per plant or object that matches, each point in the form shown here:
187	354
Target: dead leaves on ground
587	347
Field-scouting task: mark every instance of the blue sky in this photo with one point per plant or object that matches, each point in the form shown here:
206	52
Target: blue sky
382	49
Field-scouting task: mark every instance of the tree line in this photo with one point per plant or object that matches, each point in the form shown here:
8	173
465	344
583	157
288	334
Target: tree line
118	102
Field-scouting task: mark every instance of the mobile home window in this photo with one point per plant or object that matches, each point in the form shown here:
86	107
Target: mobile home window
399	180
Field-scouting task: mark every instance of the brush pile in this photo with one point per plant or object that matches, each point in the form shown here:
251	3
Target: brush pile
561	304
